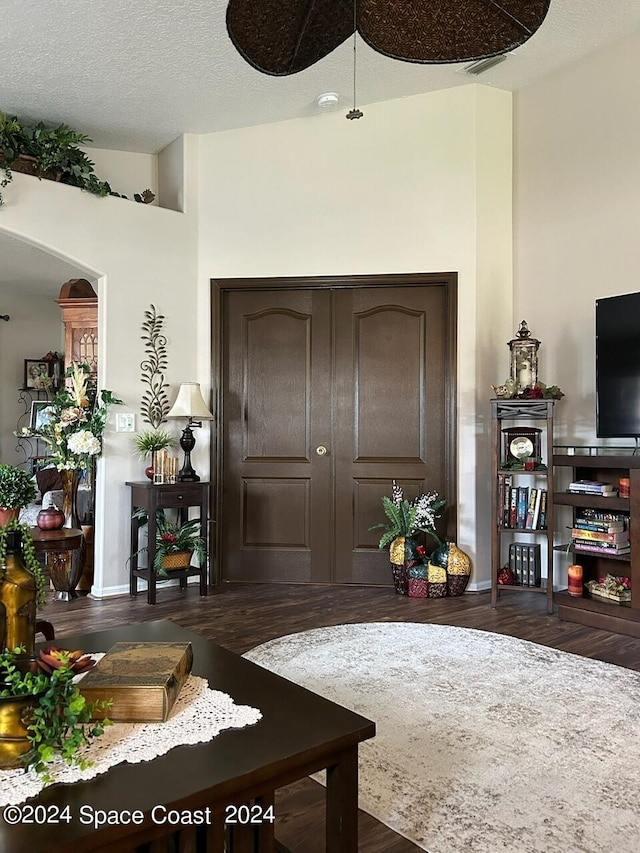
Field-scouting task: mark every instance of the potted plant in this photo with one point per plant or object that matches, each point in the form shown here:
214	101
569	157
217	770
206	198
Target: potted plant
52	153
149	442
17	490
43	714
405	520
176	542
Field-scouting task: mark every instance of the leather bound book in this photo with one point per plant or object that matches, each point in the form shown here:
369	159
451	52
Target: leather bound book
142	679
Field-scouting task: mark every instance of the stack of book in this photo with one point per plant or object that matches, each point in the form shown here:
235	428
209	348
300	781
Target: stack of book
521	507
524	562
592	487
603	533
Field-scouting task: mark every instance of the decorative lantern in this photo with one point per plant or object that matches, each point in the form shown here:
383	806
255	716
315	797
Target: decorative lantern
524	358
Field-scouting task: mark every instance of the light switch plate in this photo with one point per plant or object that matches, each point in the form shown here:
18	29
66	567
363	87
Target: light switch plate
125	422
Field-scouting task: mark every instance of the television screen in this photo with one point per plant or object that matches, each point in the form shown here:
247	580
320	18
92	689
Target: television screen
618	366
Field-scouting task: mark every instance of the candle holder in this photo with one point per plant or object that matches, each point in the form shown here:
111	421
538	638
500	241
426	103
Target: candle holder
524	358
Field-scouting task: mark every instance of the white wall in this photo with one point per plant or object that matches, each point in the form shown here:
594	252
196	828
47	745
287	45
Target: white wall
139	254
577	220
127	172
577	216
418	184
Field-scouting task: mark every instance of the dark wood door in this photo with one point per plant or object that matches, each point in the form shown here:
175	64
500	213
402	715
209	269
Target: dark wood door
363	373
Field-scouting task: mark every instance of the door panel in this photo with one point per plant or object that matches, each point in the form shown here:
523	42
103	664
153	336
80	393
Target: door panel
361	371
390	368
276	409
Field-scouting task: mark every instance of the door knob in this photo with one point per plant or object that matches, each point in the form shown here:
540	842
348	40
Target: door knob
321	450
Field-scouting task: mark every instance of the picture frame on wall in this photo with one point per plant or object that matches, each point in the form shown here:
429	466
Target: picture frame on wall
41	413
36	374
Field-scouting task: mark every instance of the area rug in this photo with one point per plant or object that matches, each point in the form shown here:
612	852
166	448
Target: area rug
485	743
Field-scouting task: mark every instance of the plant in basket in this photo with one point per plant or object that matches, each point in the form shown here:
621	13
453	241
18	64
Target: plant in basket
176	542
406	519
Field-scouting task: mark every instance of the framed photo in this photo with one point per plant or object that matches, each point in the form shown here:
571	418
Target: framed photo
36	374
41	413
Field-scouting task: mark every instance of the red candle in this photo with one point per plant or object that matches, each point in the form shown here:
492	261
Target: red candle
575	580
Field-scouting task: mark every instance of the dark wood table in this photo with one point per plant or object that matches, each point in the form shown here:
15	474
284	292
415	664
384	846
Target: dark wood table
299	733
64	558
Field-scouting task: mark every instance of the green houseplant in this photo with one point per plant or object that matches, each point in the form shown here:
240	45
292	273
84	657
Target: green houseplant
17	488
173	538
45	710
53	153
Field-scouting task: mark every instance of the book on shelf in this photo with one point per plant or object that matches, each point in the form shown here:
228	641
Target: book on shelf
504	494
513	506
621	537
536	509
592	487
522	505
605	548
531	508
596	526
542	518
524	562
601	516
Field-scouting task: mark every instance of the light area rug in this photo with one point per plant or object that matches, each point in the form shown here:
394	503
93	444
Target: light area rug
485	743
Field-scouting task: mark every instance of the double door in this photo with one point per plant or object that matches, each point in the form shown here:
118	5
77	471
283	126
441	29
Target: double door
327	396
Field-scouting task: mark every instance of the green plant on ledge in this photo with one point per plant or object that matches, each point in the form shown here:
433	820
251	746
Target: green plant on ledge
51	152
60	720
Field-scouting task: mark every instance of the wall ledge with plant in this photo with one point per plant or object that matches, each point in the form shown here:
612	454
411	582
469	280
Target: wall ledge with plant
52	153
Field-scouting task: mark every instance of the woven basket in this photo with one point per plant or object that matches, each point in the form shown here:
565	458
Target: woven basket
178	560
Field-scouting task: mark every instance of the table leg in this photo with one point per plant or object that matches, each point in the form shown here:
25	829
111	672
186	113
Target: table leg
342	803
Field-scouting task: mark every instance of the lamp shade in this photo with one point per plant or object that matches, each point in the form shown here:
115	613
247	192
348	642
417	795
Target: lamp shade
190	403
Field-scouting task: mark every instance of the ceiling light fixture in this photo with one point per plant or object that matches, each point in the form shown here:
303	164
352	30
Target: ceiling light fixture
328	100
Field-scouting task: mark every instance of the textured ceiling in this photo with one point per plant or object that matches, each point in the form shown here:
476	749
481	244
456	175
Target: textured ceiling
135	74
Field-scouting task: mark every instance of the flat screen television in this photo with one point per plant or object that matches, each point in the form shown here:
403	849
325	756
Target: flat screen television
618	366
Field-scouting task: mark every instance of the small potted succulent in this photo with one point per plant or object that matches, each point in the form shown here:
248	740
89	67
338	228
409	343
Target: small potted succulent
149	442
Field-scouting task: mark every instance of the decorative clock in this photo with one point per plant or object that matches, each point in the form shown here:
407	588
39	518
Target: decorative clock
521	443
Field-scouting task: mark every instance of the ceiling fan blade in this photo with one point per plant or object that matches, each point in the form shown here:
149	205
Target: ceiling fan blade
440	31
283	37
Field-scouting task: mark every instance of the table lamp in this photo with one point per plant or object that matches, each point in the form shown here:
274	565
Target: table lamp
191	405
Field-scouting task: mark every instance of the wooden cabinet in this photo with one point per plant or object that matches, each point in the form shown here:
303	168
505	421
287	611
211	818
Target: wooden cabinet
79	305
622	618
152	497
522	496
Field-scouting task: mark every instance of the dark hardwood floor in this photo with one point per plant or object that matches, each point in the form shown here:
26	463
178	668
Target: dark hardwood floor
246	615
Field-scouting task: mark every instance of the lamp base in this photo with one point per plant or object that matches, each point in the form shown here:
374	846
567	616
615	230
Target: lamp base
187	473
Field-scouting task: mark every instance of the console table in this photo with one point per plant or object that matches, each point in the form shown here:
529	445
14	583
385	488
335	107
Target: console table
152	497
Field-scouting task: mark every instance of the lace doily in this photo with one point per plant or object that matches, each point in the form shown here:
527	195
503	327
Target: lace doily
198	715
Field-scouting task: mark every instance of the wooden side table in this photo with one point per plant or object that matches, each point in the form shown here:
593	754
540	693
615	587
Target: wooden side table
64	558
152	497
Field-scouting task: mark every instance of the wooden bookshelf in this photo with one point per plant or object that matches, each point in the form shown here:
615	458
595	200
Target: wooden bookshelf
621	618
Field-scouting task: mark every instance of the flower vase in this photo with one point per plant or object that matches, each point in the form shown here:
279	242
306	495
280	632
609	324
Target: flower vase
70	482
7	515
18	596
403	554
456	564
